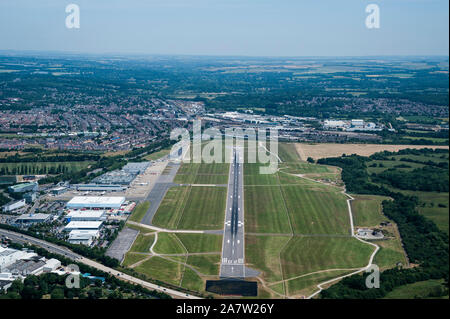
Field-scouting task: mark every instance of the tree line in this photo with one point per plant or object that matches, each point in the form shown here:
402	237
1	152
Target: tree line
424	243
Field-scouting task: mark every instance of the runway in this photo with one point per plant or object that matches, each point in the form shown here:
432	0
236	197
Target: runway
233	246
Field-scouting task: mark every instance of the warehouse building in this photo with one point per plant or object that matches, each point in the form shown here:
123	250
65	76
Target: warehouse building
58	190
14	205
136	168
28	219
86	225
9	256
83	237
24	187
95	202
99	188
86	215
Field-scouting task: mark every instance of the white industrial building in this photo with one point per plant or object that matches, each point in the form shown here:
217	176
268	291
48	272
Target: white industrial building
83	237
21	263
14	205
32	219
95	202
8	256
86	215
86	225
358	123
333	124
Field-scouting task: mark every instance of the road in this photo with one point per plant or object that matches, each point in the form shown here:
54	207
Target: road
78	258
232	264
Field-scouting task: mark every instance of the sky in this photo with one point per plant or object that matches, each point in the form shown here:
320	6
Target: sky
228	27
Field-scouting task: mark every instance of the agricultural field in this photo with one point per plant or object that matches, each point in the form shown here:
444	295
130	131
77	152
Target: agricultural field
323	150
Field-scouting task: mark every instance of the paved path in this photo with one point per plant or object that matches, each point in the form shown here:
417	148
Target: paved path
158	229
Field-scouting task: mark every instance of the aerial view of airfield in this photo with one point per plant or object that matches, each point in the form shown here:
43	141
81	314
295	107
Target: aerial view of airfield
224	149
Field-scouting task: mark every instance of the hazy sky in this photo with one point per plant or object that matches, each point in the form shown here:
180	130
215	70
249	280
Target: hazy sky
228	27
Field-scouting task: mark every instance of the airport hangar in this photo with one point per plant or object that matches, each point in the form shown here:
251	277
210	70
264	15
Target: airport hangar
95	202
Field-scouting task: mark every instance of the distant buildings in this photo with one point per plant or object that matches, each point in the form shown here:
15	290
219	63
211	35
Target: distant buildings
332	124
353	125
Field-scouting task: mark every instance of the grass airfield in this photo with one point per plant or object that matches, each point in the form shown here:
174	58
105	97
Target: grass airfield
297	227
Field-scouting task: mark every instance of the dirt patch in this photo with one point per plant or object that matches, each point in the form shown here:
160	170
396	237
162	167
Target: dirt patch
323	150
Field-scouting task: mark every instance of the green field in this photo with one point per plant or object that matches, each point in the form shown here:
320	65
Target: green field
296	226
316	212
307	285
435	207
323	254
367	210
432	205
431	289
390	254
284	257
157	155
162	269
192	281
263	253
265	210
192	173
205	264
169	243
201	243
287	152
201	252
142	243
304	168
139	212
187	208
132	258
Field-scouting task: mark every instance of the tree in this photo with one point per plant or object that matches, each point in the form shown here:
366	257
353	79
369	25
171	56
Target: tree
311	160
57	293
